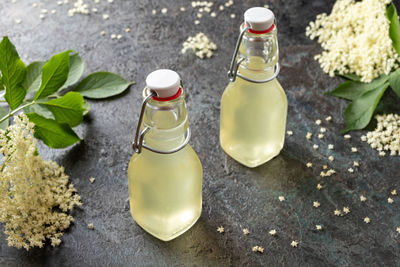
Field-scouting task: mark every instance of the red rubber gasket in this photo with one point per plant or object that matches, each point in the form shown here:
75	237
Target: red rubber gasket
262	32
175	96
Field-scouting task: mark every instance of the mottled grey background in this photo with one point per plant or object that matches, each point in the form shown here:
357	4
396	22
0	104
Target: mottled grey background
234	196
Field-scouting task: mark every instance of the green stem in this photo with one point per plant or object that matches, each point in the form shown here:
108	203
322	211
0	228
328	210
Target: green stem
16	110
54	96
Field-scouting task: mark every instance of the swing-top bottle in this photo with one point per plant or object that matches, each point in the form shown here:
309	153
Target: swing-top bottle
254	105
165	175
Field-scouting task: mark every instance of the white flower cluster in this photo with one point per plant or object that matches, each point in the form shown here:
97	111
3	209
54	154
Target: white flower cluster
200	44
355	39
79	8
35	195
386	136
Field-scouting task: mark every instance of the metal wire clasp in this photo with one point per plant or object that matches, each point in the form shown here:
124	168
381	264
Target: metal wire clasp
234	67
139	143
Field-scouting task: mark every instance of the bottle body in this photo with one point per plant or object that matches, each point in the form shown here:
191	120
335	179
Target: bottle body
253	120
165	191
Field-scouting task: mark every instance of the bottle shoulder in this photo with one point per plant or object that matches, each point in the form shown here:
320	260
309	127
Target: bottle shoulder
240	86
187	155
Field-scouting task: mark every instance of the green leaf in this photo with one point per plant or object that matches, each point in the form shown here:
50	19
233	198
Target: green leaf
394	81
13	71
352	90
102	85
54	75
394	29
53	134
351	76
67	109
359	113
86	106
76	67
40	110
1	84
4	124
33	76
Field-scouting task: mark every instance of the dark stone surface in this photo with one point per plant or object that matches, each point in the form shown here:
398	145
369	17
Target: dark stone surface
234	196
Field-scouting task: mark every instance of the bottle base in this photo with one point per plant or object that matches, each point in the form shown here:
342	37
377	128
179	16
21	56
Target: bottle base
249	161
168	236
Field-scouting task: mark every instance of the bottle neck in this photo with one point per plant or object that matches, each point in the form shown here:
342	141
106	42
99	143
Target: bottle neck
260	53
168	122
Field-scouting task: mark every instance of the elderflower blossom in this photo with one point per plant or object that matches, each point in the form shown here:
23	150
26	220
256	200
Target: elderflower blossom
386	136
200	44
35	195
355	39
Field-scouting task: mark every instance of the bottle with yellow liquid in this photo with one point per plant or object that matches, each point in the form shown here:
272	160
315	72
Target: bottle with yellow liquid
165	175
254	105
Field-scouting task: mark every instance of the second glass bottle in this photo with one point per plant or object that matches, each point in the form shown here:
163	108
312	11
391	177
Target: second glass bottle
254	105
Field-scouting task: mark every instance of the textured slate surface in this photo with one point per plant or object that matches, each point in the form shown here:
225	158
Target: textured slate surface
234	196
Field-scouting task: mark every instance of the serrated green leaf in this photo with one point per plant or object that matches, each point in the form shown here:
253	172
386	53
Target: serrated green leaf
352	90
102	85
52	133
13	73
4	124
67	109
359	113
76	67
33	76
54	75
40	110
394	81
394	29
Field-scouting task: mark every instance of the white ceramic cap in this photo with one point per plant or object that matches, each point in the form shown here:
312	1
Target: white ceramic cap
164	82
259	18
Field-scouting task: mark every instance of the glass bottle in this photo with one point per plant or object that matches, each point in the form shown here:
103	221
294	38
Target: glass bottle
165	175
254	105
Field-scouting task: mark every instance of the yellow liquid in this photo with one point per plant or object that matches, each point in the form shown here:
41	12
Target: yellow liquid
253	118
165	189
